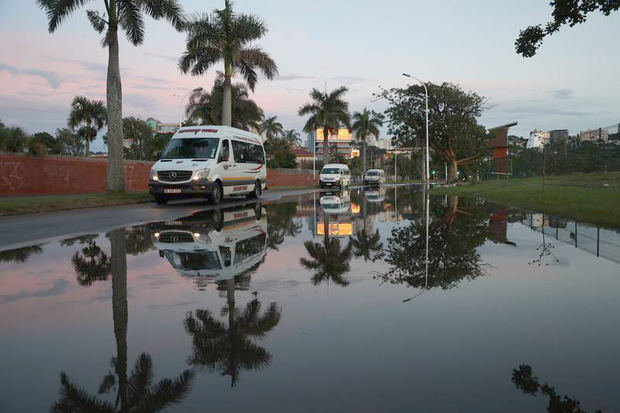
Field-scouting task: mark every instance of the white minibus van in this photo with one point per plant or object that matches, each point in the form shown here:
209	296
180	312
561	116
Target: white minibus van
211	162
335	174
374	177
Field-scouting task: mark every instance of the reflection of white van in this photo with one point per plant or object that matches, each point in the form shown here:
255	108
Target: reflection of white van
335	174
374	177
339	203
209	161
197	248
376	195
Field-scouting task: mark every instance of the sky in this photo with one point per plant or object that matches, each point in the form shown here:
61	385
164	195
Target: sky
571	83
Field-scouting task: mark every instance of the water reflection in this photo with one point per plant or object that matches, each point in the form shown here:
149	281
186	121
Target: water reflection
20	255
134	393
90	263
524	379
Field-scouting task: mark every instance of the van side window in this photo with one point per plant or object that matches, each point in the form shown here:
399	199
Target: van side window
241	153
224	152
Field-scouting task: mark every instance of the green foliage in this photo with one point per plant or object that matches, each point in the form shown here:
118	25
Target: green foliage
565	12
330	260
70	143
271	128
205	108
89	116
227	36
13	140
279	154
292	137
140	135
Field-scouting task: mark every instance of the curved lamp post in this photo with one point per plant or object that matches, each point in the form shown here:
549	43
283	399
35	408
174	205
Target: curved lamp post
427	175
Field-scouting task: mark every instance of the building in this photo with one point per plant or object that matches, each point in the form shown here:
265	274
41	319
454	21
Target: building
340	141
302	155
595	136
499	147
558	135
516	141
538	139
162	127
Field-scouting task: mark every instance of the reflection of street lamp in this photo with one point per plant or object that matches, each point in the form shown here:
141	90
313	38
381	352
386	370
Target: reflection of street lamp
427	177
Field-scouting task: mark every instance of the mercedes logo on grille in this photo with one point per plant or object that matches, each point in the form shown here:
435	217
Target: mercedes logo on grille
173	175
174	238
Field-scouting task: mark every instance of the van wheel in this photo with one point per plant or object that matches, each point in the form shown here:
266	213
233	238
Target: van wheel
161	199
218	219
258	190
216	193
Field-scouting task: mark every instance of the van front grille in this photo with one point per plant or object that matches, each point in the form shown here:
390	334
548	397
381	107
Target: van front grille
174	237
174	176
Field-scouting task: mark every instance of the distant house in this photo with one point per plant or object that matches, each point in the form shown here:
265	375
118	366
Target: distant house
162	127
302	155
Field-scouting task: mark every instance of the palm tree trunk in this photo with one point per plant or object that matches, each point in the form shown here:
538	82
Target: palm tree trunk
230	298
114	97
227	102
119	309
363	157
325	145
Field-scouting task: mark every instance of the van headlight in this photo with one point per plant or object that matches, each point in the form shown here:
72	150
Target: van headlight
200	174
153	176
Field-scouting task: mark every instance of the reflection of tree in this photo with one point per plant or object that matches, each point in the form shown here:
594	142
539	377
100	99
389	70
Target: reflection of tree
368	246
454	233
136	392
91	264
330	261
524	379
82	240
138	240
281	223
19	255
233	349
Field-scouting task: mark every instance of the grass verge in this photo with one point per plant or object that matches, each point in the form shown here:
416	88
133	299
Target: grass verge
592	198
33	204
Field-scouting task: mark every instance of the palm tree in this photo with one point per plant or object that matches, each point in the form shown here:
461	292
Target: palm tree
206	108
327	111
226	36
91	114
230	350
91	264
19	255
366	245
366	124
134	393
292	137
271	128
129	16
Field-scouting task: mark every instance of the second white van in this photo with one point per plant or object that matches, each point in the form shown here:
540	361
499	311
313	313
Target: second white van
211	162
335	174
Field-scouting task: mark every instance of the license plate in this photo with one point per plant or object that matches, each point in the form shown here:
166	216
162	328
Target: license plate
172	191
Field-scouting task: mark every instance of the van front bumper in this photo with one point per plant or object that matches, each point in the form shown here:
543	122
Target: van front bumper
199	188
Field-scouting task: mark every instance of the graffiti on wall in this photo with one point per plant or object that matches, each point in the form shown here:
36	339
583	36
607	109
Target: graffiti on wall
11	175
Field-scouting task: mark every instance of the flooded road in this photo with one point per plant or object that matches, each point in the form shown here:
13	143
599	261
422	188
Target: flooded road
362	300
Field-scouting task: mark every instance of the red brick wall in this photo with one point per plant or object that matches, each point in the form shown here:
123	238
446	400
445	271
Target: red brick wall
25	175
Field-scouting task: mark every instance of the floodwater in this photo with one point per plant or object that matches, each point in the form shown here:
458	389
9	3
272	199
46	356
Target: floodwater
358	301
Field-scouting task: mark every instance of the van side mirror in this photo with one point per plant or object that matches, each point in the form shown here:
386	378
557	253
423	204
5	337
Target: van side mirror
158	156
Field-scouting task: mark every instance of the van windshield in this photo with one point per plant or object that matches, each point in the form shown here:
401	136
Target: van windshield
330	171
372	173
185	148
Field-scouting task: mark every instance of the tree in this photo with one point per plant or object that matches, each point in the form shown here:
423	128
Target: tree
19	255
328	111
366	124
13	140
292	137
330	261
271	128
231	349
571	12
47	139
367	245
90	116
140	134
129	16
226	36
279	154
206	108
456	135
135	393
70	143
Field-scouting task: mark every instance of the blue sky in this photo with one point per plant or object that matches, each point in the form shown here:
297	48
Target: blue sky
572	83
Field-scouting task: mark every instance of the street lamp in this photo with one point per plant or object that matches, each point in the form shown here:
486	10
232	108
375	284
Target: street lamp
427	176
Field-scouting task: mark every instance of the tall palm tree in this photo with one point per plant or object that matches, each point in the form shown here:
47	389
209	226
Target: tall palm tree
328	111
134	393
129	16
206	108
226	36
367	245
230	349
292	137
366	124
271	128
91	115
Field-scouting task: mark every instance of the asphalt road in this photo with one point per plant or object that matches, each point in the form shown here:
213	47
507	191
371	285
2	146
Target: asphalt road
27	230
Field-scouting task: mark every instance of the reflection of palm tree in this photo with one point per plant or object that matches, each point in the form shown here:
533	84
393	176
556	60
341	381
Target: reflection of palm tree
281	223
524	379
366	245
19	255
329	260
230	350
91	264
138	240
134	394
82	240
